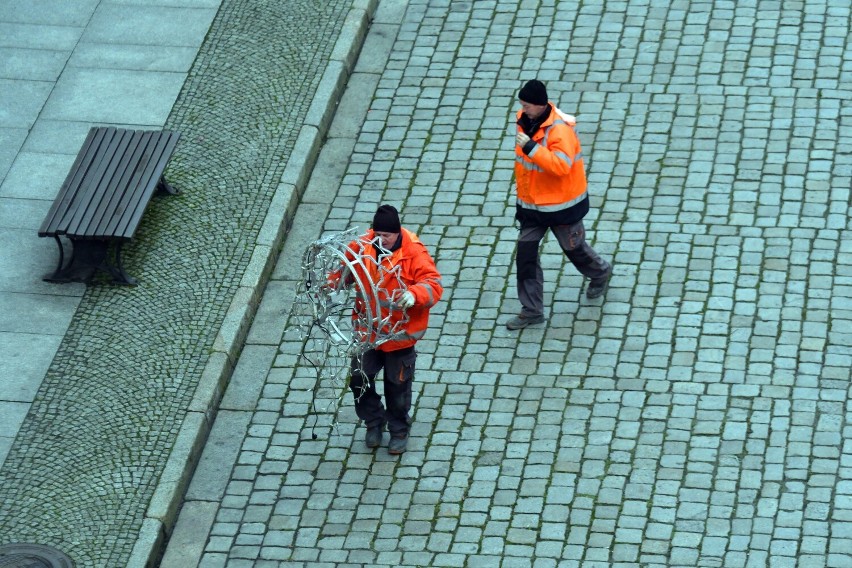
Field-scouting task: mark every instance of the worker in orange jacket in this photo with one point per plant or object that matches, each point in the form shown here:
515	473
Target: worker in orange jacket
403	282
551	194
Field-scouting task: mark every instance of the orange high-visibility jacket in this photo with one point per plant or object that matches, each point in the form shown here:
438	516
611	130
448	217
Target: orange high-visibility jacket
552	178
418	275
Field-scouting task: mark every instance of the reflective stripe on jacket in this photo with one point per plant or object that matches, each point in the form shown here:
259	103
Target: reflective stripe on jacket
418	275
552	178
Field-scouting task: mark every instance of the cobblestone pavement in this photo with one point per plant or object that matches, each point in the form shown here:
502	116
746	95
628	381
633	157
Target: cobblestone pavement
698	416
93	448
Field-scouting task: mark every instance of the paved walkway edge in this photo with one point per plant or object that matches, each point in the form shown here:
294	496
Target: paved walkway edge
162	512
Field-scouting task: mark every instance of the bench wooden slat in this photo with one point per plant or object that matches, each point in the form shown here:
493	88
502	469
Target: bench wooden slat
153	170
100	185
52	224
94	173
131	186
118	187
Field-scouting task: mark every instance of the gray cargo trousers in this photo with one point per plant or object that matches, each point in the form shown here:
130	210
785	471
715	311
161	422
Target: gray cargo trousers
572	240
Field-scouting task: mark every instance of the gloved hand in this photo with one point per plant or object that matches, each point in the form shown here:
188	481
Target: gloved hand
521	139
406	301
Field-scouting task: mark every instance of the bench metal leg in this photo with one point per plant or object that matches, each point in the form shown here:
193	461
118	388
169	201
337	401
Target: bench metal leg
56	273
119	276
87	257
164	187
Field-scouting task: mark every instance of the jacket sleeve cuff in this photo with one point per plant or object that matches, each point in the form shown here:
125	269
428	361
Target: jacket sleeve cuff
529	147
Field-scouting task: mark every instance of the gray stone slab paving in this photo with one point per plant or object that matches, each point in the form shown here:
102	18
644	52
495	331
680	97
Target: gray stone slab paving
34	35
31	313
159	25
31	64
24	214
136	57
60	136
13	414
50	12
114	96
21	101
24	359
36	175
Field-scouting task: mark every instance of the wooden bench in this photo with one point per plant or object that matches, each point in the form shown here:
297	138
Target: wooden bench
102	200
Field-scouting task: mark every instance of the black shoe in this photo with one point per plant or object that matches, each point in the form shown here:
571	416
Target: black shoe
522	321
373	437
598	286
397	445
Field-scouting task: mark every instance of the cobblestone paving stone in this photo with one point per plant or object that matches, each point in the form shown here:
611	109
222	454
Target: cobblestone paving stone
89	455
699	415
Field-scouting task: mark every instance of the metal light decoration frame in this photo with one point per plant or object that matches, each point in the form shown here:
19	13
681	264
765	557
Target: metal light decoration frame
331	331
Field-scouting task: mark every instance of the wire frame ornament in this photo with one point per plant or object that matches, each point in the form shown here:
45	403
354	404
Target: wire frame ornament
331	330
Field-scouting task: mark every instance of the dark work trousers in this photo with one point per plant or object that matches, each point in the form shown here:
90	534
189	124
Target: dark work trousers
398	375
572	240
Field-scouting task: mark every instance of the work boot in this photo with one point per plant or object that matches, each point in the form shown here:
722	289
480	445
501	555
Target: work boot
521	321
597	287
397	445
373	437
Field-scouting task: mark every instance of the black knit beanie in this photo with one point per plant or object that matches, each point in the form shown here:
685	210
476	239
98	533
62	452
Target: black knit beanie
386	220
534	92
